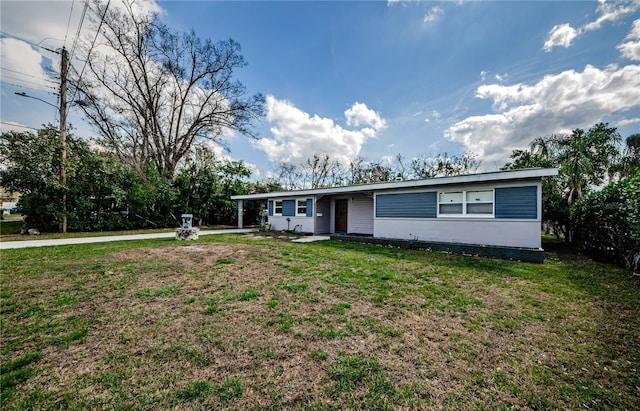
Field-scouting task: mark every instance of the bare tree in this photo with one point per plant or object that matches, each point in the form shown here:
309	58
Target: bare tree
365	172
321	171
317	171
288	176
337	174
151	92
399	167
443	165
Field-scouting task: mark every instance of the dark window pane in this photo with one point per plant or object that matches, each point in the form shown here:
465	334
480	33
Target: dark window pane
450	208
482	208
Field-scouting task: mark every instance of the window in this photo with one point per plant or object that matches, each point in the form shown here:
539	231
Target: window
277	207
478	203
301	207
450	203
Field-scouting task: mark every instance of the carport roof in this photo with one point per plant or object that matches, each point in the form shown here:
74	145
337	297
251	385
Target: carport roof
493	176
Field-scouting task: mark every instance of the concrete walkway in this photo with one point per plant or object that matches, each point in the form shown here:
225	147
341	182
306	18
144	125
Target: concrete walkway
311	239
6	245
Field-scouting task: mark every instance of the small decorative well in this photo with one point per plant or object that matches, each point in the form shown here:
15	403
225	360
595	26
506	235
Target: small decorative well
186	230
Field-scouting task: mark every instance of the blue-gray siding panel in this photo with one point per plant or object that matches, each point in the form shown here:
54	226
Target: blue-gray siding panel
407	205
517	202
309	207
289	208
270	207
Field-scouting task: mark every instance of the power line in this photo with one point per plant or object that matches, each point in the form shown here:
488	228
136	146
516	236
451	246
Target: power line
27	81
77	38
93	43
29	75
27	87
64	43
27	41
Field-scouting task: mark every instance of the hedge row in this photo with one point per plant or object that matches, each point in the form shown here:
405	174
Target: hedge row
607	223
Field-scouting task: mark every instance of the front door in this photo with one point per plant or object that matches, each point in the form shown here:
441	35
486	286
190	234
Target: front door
341	215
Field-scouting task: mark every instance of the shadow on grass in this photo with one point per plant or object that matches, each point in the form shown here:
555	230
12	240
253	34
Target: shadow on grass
11	227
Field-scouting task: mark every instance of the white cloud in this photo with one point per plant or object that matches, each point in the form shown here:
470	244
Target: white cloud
23	65
298	135
557	103
434	115
46	25
483	75
611	11
433	14
631	47
359	114
627	121
403	3
562	35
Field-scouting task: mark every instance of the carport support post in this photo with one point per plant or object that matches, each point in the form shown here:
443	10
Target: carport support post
240	209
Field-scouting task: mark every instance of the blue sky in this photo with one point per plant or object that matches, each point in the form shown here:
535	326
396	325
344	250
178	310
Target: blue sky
375	79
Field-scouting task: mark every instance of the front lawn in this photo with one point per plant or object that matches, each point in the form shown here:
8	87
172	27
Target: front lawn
248	322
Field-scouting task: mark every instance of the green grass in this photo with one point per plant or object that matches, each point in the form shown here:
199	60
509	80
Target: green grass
16	371
11	227
10	231
200	390
319	355
243	322
163	291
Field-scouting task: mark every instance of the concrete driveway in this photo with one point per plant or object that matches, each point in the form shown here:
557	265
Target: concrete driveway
6	245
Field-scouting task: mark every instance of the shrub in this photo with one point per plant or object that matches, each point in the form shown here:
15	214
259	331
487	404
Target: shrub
607	222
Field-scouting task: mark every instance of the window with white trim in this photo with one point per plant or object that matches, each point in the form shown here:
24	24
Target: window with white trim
473	203
301	207
277	207
479	202
450	203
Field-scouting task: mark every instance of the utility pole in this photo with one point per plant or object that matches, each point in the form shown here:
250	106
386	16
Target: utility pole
64	66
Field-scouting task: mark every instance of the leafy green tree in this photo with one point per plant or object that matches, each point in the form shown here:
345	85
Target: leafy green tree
234	175
32	168
205	187
585	157
584	160
151	199
98	196
629	162
102	192
607	222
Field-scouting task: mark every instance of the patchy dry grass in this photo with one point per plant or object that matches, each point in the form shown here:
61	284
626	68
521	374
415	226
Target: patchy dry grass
242	322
